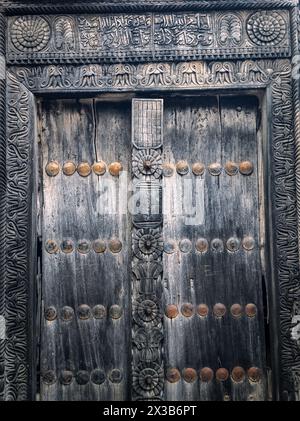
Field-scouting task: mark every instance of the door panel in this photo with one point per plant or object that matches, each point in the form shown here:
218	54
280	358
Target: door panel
85	341
215	262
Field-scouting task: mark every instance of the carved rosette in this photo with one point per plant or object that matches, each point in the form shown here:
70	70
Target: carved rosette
266	28
30	33
147	242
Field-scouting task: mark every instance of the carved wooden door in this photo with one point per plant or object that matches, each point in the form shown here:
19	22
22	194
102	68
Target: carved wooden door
152	250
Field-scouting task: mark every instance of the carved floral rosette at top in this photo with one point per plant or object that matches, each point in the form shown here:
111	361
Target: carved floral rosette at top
147	243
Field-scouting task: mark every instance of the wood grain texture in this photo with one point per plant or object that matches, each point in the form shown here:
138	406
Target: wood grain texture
75	208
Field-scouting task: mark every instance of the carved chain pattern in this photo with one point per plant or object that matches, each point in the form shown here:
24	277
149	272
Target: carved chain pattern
17	246
148	374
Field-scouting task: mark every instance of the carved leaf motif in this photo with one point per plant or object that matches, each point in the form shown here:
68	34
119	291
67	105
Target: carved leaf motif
64	34
230	30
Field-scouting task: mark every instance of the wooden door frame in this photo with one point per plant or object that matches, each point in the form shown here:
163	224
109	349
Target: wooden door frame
30	75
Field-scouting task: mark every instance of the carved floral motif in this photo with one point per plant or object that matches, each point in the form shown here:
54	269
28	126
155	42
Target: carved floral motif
266	28
30	33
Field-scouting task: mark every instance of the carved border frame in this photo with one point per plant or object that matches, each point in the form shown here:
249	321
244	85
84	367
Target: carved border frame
17	136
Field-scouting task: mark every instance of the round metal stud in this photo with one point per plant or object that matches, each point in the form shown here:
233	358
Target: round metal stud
238	374
170	247
84	169
84	312
226	397
187	310
248	243
206	374
67	246
83	247
198	168
50	314
66	377
251	310
99	311
202	245
99	246
236	310
115	168
173	375
52	168
233	244
69	168
115	376
239	109
82	377
115	312
202	310
222	374
215	169
98	376
189	375
168	170
172	311
67	313
185	246
182	167
217	245
231	168
115	245
99	168
51	247
219	310
254	374
49	377
246	167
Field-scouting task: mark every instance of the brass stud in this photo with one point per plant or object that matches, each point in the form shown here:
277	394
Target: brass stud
84	169
82	377
182	167
115	376
219	310
67	246
187	309
115	312
198	168
51	247
222	374
50	314
246	167
185	246
231	168
83	247
67	313
215	169
170	247
69	168
236	310
254	374
202	310
99	168
49	377
66	377
99	311
99	246
233	244
248	243
206	374
217	245
84	312
115	245
172	311
115	168
173	375
226	397
251	310
168	170
98	376
238	374
202	245
52	168
189	375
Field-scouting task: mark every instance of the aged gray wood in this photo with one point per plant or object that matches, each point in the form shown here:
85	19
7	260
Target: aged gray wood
74	208
212	130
